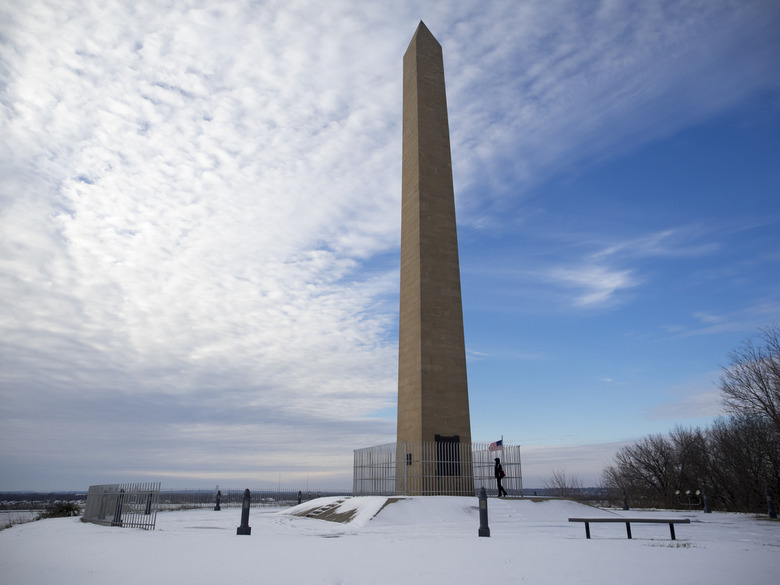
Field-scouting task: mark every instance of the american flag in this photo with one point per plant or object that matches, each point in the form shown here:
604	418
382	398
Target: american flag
496	445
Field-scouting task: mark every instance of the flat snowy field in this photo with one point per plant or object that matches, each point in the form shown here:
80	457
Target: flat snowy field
410	541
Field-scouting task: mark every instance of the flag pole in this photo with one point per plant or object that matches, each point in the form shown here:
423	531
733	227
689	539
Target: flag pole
503	459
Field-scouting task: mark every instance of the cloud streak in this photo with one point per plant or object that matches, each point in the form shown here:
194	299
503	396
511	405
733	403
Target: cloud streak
557	79
597	283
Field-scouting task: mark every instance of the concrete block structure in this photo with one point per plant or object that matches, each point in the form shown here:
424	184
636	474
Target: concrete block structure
433	404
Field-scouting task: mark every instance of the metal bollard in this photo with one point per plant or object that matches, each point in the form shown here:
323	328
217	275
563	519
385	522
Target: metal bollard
217	507
245	528
771	503
484	529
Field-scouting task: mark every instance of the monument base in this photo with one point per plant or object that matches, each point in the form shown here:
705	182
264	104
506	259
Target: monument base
423	469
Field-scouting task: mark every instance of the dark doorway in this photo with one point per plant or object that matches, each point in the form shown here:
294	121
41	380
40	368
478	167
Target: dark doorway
448	455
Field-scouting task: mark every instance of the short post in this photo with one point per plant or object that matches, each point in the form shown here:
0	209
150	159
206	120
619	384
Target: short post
771	504
300	496
484	529
625	500
217	501
245	528
706	500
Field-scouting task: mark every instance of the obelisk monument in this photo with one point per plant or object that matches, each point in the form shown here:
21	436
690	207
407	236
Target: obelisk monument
433	402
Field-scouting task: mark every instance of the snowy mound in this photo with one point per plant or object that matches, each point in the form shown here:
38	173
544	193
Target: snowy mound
356	511
404	511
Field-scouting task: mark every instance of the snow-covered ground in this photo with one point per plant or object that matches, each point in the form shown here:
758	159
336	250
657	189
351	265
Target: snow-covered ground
410	541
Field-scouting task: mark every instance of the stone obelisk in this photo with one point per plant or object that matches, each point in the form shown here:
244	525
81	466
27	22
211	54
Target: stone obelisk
433	403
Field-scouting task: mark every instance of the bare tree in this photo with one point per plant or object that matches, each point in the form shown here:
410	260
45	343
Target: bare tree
745	461
751	383
693	464
734	462
647	470
564	486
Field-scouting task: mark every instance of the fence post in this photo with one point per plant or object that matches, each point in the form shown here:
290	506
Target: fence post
484	529
245	529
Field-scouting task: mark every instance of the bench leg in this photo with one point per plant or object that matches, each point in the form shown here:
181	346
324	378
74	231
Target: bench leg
628	529
671	529
587	529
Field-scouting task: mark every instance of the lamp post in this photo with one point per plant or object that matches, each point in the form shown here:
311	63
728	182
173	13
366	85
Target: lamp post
691	499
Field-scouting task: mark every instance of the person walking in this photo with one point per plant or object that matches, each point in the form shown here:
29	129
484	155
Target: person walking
499	473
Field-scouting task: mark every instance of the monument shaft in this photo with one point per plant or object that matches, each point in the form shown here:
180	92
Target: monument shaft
433	401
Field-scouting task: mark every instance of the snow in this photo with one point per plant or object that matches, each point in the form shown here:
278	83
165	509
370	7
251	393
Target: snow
397	540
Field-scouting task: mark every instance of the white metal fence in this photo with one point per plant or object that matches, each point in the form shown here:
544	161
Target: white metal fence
130	505
176	499
435	468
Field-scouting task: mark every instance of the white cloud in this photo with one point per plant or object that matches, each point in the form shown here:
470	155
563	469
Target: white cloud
598	285
669	243
578	82
748	319
703	404
696	398
205	186
708	317
601	276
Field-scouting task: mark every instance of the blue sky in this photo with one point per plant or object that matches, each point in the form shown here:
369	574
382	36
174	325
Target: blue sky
200	219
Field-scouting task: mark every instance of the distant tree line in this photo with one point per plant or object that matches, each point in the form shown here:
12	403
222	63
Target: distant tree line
563	485
37	500
734	461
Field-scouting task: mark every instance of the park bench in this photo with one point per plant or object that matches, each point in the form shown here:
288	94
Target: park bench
670	521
